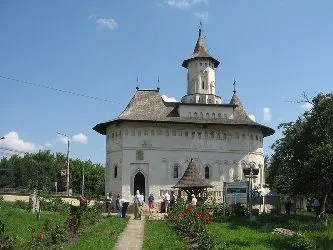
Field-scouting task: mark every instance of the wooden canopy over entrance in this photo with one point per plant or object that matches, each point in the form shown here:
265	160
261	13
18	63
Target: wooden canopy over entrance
192	182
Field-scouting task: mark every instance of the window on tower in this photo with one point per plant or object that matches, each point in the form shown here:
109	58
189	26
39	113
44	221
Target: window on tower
175	171
206	172
203	84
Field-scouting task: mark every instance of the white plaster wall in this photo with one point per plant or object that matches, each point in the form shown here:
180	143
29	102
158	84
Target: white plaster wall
165	145
189	110
200	70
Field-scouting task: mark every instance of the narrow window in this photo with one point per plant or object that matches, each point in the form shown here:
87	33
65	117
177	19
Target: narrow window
203	84
115	172
207	115
186	133
206	172
256	137
213	115
195	114
201	115
175	171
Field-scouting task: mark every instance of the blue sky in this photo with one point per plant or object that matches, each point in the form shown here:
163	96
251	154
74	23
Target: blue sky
274	49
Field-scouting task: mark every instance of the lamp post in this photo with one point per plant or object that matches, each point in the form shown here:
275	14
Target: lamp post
250	172
67	172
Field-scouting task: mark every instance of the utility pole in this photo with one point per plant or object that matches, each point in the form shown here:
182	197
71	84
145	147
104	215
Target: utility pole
67	172
83	181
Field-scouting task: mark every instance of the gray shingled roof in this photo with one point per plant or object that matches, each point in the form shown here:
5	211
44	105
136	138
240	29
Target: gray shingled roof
192	178
200	51
149	106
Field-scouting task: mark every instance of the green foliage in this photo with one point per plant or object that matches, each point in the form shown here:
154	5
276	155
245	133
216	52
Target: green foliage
240	233
102	235
191	221
42	169
159	235
22	204
302	162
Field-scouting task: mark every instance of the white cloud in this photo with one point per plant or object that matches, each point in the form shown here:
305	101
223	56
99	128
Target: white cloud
307	106
252	117
169	99
202	15
267	114
104	23
63	139
183	4
12	140
80	138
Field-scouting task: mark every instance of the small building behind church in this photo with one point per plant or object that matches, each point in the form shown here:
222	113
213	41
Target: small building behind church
150	144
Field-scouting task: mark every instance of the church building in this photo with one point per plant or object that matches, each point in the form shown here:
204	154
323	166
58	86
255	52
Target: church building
150	144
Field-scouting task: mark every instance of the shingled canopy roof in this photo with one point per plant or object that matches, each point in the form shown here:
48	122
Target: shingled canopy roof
200	51
149	106
192	178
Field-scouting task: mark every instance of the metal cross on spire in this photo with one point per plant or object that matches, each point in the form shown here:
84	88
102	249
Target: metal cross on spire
200	28
234	86
158	83
137	83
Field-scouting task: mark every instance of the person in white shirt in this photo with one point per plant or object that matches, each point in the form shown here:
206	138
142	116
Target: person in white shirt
194	200
138	203
167	202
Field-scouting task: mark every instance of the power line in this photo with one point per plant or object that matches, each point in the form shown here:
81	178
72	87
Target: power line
57	89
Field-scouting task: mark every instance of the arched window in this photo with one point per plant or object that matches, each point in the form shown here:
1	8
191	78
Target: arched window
206	172
213	115
175	171
195	114
115	174
201	115
207	115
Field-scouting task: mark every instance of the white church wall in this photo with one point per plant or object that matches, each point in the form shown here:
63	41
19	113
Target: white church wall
165	145
201	111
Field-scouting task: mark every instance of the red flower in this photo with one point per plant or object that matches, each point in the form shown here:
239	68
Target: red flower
198	216
207	212
184	214
41	235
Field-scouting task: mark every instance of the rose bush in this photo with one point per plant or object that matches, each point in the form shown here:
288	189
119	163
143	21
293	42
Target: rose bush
191	222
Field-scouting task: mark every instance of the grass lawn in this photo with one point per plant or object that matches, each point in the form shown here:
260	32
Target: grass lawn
158	235
22	226
239	233
103	235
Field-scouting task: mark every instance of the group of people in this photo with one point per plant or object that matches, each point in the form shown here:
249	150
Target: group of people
121	204
290	205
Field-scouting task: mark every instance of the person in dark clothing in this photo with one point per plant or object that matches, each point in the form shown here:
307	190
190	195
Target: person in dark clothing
124	205
287	205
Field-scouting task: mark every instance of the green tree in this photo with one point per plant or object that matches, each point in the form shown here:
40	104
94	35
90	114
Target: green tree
302	162
41	170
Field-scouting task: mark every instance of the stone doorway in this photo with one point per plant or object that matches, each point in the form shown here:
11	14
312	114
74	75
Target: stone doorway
139	183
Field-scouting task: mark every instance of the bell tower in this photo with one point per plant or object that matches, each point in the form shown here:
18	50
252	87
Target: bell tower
201	75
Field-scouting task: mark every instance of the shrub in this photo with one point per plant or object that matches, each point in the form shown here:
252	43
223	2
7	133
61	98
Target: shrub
298	242
21	204
190	221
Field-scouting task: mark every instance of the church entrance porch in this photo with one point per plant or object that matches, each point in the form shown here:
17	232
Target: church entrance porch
139	183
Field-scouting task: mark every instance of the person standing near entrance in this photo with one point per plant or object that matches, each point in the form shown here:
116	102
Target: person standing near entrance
138	203
167	202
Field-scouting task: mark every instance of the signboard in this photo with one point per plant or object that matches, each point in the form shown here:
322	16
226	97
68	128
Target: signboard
236	192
